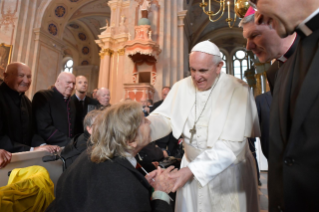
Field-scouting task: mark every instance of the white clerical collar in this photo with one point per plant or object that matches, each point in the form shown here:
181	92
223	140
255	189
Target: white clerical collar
303	27
282	59
132	160
290	51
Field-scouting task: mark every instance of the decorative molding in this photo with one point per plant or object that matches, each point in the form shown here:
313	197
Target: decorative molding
121	52
74	26
52	28
107	51
181	16
44	36
82	36
59	11
85	50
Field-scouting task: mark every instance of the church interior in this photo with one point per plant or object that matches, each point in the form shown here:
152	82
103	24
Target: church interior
111	43
132	47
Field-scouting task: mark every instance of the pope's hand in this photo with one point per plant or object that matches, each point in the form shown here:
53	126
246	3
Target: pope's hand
181	177
162	181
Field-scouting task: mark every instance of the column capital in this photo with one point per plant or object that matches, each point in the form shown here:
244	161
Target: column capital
121	52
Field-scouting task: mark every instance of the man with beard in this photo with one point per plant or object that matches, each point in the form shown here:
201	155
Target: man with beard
82	103
294	119
54	112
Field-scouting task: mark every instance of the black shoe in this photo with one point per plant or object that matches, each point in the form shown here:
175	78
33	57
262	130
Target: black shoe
259	183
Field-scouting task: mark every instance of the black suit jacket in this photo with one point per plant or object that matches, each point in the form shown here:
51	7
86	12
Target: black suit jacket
263	103
155	105
16	130
81	111
272	72
53	116
77	145
113	186
294	131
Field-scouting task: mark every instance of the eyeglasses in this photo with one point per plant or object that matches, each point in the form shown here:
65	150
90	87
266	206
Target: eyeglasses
253	4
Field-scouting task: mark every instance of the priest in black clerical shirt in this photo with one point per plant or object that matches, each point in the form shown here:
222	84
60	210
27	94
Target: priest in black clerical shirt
294	118
266	44
83	103
54	112
16	130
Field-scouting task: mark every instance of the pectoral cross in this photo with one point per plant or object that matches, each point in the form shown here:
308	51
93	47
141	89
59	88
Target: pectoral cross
192	131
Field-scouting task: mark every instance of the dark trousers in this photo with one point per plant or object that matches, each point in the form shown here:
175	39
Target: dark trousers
252	148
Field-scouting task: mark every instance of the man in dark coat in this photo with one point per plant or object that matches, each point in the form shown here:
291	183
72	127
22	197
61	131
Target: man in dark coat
294	118
82	103
103	96
263	102
80	142
165	91
16	129
54	112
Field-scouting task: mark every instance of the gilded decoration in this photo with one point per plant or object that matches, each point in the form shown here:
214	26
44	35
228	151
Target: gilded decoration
53	29
104	52
85	50
85	62
60	11
5	57
82	36
121	51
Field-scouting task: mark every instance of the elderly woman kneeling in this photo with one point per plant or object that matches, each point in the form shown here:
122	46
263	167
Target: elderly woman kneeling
104	177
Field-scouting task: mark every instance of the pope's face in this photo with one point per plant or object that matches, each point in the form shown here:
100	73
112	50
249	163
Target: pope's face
262	41
203	70
278	14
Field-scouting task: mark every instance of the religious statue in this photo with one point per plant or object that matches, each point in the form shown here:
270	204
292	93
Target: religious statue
146	5
122	20
106	26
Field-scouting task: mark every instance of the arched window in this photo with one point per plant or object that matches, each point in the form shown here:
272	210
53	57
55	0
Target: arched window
224	59
240	62
68	67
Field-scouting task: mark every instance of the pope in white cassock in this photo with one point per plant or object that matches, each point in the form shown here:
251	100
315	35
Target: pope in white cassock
215	113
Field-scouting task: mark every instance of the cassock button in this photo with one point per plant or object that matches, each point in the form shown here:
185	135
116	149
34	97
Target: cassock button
289	161
280	209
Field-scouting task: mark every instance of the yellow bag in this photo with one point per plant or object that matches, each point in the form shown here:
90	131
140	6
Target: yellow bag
28	189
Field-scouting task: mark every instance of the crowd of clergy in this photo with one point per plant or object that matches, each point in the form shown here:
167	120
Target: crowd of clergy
108	148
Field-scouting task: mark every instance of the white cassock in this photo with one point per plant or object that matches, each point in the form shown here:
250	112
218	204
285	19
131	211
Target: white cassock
225	177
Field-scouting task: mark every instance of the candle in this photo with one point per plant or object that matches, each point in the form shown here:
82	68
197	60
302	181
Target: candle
228	9
209	5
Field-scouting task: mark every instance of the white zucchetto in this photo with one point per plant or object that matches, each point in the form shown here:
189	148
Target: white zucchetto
206	47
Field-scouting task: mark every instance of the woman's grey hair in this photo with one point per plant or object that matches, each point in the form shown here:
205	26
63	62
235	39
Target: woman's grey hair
247	19
89	118
113	129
